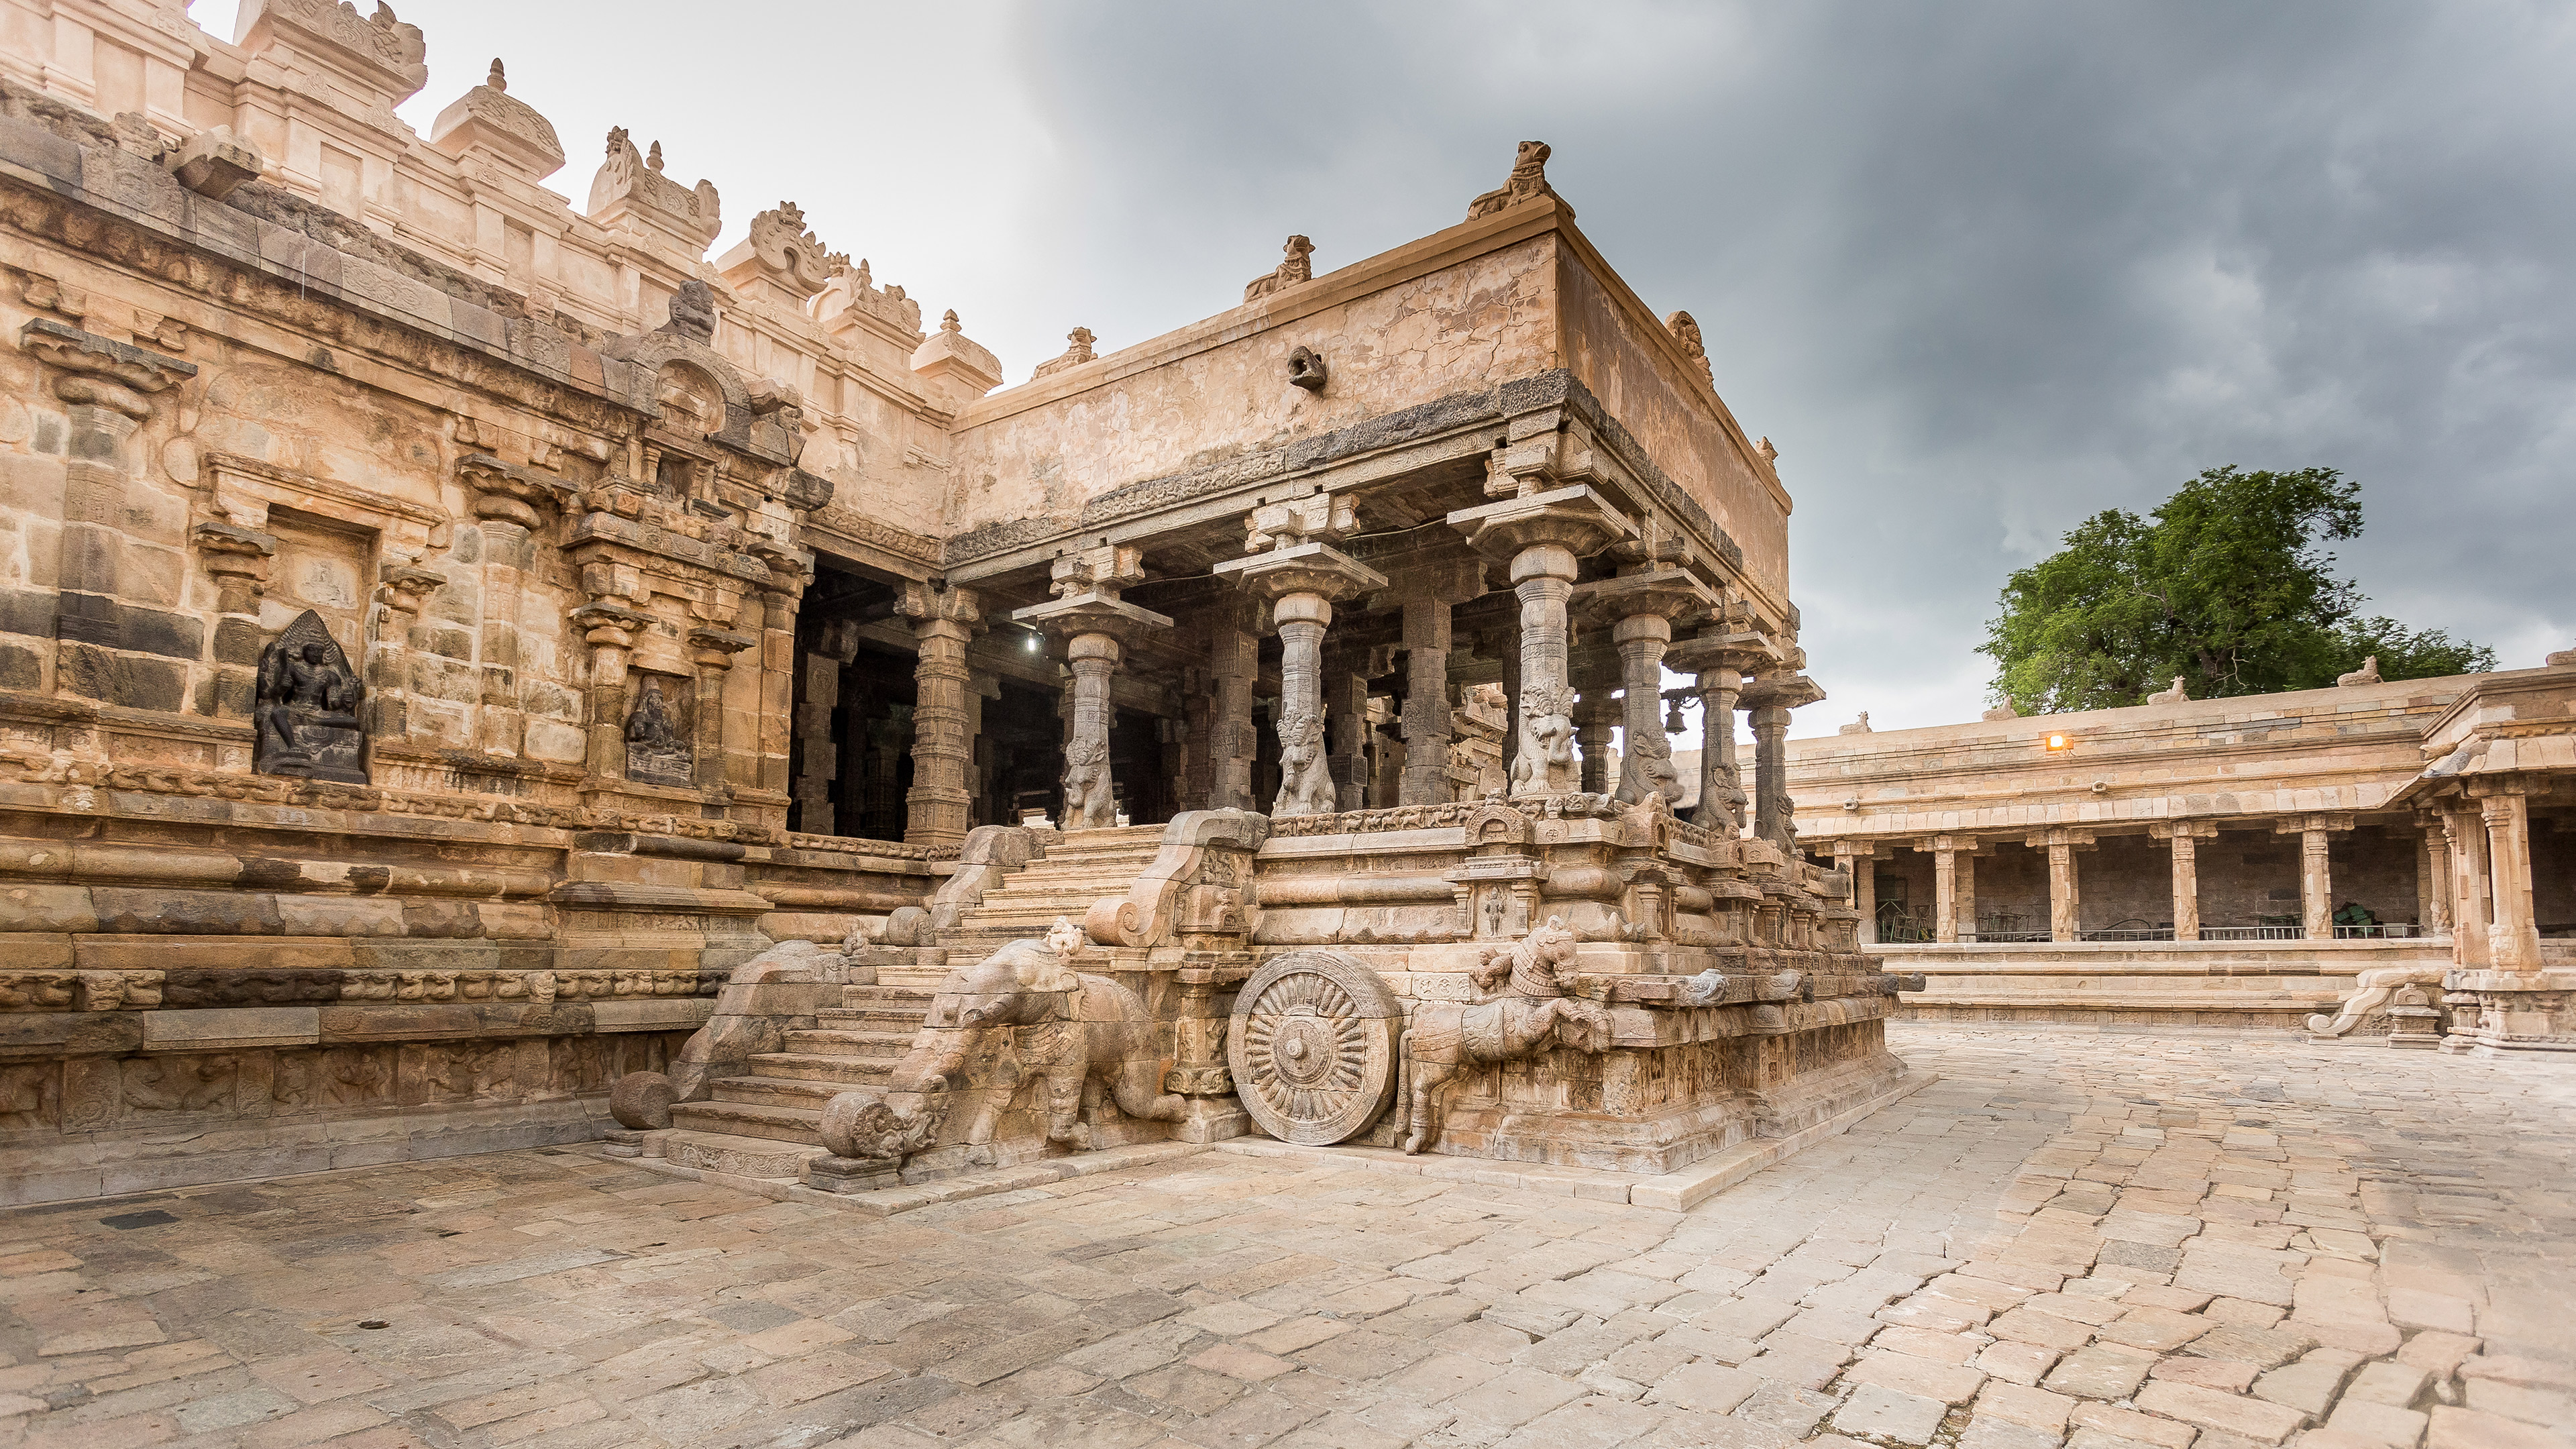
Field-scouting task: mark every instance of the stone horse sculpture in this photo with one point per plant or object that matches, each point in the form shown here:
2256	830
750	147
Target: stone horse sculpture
1082	1036
1534	1016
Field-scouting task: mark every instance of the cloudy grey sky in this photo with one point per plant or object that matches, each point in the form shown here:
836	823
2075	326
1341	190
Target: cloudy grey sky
1979	270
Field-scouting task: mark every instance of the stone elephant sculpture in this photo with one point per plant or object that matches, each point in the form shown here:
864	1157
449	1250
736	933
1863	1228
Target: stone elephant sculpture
1082	1036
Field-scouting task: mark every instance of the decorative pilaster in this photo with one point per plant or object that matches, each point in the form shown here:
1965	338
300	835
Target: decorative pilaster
711	649
1543	535
107	390
939	808
403	590
1301	575
509	504
609	627
1091	620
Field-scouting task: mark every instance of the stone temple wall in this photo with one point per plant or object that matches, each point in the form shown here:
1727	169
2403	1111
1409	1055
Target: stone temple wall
508	475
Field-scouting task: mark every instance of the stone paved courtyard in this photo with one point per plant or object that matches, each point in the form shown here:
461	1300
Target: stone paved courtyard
2072	1238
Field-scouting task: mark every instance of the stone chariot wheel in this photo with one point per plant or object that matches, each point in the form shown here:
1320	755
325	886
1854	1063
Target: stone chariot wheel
1312	1047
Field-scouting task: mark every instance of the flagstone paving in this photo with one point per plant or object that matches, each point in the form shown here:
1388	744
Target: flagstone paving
2079	1239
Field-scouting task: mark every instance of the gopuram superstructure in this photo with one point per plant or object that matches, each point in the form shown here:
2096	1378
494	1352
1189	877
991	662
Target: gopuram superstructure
472	667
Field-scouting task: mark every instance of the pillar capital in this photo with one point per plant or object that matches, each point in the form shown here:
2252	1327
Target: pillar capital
1309	567
1949	844
511	494
2182	829
403	587
96	371
1576	519
2058	836
1725	647
931	602
2302	824
1081	614
1783	692
1664	595
711	647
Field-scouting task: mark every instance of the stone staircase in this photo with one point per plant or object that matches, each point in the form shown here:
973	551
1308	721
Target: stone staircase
765	1124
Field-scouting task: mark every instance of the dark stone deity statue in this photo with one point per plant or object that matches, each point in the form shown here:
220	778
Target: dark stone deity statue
306	707
655	751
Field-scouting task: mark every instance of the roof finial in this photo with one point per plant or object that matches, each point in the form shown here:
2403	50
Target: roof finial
655	159
948	323
496	80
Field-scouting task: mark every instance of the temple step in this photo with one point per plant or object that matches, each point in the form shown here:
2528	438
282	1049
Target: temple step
741	1156
871	1019
752	1119
797	1064
862	1045
764	1090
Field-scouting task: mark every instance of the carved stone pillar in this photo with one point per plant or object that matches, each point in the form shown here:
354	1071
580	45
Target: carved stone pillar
1722	655
1543	535
1346	724
2316	875
2514	937
1964	871
938	809
2433	877
2472	895
1301	574
1954	891
1428	715
1640	605
1596	723
2184	837
818	751
1233	665
1091	620
2065	899
1768	701
1858	857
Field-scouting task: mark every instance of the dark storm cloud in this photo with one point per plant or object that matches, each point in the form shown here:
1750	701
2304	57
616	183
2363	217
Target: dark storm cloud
1980	270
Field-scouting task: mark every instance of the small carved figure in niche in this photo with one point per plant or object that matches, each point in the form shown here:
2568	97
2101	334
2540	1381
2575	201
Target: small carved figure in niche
693	307
655	752
306	707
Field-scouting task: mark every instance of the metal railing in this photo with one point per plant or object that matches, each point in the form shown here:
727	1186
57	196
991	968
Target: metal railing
2128	933
2253	933
2382	930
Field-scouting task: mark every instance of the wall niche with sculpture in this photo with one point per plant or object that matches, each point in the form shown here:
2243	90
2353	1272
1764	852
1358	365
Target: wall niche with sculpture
306	707
657	733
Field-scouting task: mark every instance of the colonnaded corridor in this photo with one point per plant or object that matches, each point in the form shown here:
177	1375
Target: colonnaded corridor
2096	1240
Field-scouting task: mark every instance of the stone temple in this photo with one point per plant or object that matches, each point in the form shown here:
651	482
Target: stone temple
471	665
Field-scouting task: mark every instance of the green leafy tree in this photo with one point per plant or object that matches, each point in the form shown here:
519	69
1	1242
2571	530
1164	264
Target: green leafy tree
2226	584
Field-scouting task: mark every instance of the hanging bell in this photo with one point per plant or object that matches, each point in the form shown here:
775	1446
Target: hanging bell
1673	718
